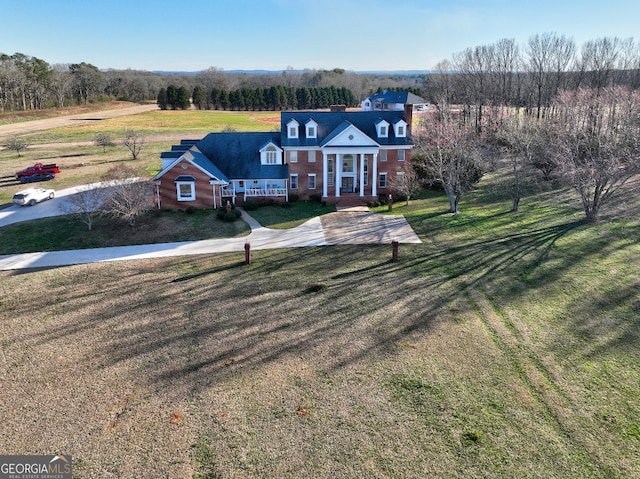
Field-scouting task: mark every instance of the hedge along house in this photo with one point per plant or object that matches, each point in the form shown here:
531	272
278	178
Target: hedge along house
343	157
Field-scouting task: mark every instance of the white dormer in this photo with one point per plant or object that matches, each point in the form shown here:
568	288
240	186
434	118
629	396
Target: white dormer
293	128
400	128
382	127
270	154
311	129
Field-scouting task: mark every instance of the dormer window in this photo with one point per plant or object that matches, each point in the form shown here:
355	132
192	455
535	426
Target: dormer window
271	155
400	128
292	129
312	129
383	129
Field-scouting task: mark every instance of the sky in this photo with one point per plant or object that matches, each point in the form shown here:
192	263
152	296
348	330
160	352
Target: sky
355	35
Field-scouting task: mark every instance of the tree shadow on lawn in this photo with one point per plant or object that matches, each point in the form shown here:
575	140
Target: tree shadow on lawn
209	317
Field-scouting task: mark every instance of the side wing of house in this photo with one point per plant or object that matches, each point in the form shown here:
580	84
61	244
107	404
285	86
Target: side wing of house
189	180
222	167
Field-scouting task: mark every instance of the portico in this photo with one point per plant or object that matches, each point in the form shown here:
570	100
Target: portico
349	170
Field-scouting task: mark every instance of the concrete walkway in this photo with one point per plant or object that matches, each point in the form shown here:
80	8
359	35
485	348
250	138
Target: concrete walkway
331	229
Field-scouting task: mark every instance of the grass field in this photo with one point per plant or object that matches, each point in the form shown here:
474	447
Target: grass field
505	345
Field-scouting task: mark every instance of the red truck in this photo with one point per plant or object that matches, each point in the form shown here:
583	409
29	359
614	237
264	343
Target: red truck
38	169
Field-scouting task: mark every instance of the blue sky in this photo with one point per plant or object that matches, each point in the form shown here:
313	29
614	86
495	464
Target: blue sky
357	35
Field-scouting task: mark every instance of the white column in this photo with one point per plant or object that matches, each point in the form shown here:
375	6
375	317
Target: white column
374	176
338	173
362	158
325	174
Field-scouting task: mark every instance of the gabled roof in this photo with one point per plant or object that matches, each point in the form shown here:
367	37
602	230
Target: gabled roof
331	123
355	138
397	97
237	155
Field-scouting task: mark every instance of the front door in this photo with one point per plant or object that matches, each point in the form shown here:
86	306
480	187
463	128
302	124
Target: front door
347	184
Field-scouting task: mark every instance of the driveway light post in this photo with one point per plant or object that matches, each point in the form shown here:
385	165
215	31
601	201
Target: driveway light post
247	253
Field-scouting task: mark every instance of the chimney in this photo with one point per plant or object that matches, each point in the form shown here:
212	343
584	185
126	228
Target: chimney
408	115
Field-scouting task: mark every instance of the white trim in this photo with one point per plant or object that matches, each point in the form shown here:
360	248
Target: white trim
192	186
293	129
311	124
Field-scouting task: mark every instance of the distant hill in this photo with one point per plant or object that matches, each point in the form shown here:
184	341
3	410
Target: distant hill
280	72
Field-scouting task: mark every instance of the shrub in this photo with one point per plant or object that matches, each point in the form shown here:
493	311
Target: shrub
229	216
293	197
286	204
316	198
267	202
250	205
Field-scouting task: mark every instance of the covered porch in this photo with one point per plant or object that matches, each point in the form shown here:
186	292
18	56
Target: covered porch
267	188
349	171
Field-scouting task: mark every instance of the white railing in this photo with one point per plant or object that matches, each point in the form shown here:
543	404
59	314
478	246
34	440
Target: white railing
265	192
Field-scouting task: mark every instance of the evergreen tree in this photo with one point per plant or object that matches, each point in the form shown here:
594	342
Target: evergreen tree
199	98
182	99
162	99
172	95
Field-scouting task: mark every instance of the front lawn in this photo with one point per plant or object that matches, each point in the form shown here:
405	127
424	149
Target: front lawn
290	215
156	226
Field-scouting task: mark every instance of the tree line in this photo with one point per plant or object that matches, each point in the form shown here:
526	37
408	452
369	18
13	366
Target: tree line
526	76
530	76
30	83
256	99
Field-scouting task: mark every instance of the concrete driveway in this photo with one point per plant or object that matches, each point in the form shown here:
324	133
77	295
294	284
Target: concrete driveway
342	227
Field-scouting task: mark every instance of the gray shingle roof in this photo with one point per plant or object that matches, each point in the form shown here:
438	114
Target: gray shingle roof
397	97
328	122
237	155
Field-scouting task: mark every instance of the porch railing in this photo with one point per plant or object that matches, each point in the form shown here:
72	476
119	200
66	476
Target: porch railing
265	192
256	192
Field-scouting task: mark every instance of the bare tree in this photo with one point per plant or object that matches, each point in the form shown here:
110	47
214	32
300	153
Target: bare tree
548	56
16	144
448	154
129	197
406	182
103	140
597	145
133	141
599	60
519	141
87	204
61	82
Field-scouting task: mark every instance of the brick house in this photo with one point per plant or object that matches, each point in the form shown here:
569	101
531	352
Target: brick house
342	157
